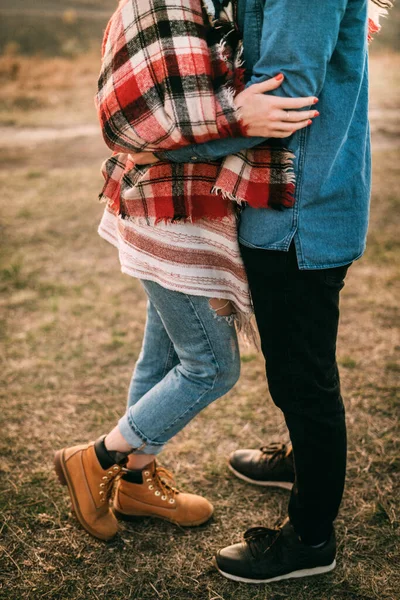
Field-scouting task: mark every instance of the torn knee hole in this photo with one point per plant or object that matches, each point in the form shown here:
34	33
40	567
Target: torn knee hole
222	308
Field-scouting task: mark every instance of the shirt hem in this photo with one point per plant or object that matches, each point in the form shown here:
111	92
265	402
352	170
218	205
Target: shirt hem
303	265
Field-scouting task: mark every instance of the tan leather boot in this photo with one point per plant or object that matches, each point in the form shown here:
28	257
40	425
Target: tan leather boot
90	486
151	493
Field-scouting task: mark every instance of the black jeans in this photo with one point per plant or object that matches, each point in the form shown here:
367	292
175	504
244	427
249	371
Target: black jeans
297	314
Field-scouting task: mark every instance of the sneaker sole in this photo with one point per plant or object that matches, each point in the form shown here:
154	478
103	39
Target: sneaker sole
62	474
286	485
131	518
292	575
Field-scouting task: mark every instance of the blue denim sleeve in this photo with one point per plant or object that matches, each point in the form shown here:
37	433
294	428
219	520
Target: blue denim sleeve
298	40
209	150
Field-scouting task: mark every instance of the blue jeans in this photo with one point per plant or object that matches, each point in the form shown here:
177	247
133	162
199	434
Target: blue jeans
189	358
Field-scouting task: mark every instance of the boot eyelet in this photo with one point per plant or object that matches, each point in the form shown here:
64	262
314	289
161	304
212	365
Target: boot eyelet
110	473
102	485
171	501
101	493
116	468
147	473
149	480
163	497
157	493
105	478
151	487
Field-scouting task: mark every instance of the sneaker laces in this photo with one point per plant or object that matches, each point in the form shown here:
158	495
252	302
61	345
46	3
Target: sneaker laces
274	452
261	539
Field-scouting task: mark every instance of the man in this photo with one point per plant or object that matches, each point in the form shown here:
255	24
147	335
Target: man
296	262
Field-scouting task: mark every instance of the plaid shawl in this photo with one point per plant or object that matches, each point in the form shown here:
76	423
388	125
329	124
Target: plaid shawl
168	79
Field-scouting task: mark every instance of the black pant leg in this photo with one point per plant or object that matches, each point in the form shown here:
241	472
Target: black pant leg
297	314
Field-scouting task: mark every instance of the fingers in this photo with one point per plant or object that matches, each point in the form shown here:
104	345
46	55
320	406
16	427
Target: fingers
287	103
144	158
293	116
282	103
292	126
267	86
280	129
287	129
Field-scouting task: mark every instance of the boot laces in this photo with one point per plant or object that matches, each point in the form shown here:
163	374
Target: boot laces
164	482
274	453
107	482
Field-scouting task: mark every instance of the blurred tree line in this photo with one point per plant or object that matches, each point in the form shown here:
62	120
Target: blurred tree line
47	28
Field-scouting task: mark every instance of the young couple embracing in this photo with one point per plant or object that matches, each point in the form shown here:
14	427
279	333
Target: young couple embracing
229	193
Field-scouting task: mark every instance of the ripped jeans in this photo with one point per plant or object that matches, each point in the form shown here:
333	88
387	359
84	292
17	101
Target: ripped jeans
189	358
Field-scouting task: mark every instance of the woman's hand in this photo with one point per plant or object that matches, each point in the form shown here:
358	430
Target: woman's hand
272	116
144	158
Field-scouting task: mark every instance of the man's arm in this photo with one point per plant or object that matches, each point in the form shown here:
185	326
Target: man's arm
210	150
298	39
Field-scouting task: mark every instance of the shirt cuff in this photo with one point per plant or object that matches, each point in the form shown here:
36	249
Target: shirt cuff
170	156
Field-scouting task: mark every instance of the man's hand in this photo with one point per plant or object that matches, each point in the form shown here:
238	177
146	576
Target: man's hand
272	116
144	158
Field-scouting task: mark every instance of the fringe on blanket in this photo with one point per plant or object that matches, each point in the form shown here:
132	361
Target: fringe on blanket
247	331
376	10
245	325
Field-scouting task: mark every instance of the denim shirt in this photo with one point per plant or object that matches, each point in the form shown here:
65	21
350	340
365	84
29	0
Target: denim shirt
321	48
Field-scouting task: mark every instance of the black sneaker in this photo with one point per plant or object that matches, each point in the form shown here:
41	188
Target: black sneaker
270	466
268	555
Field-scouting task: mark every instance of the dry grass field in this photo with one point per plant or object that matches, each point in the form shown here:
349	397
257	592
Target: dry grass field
71	326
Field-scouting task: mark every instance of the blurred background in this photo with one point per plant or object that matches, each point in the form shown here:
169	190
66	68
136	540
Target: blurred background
70	332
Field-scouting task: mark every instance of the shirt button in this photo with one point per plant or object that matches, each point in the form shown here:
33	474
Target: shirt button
194	158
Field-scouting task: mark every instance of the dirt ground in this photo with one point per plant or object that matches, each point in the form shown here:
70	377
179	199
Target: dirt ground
71	326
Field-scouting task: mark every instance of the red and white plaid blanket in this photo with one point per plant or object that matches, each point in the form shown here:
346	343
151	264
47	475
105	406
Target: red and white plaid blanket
168	78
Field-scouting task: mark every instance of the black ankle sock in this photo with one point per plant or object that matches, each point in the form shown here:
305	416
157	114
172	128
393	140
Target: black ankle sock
108	458
133	476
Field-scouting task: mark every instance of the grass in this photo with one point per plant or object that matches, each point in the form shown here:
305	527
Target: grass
56	92
71	327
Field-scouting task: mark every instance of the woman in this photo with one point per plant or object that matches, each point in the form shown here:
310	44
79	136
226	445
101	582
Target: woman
169	76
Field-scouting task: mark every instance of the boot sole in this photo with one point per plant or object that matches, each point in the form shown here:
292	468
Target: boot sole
62	474
292	575
286	485
132	518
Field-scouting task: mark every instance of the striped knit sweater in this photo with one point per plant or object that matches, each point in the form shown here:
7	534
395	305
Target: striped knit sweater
200	258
